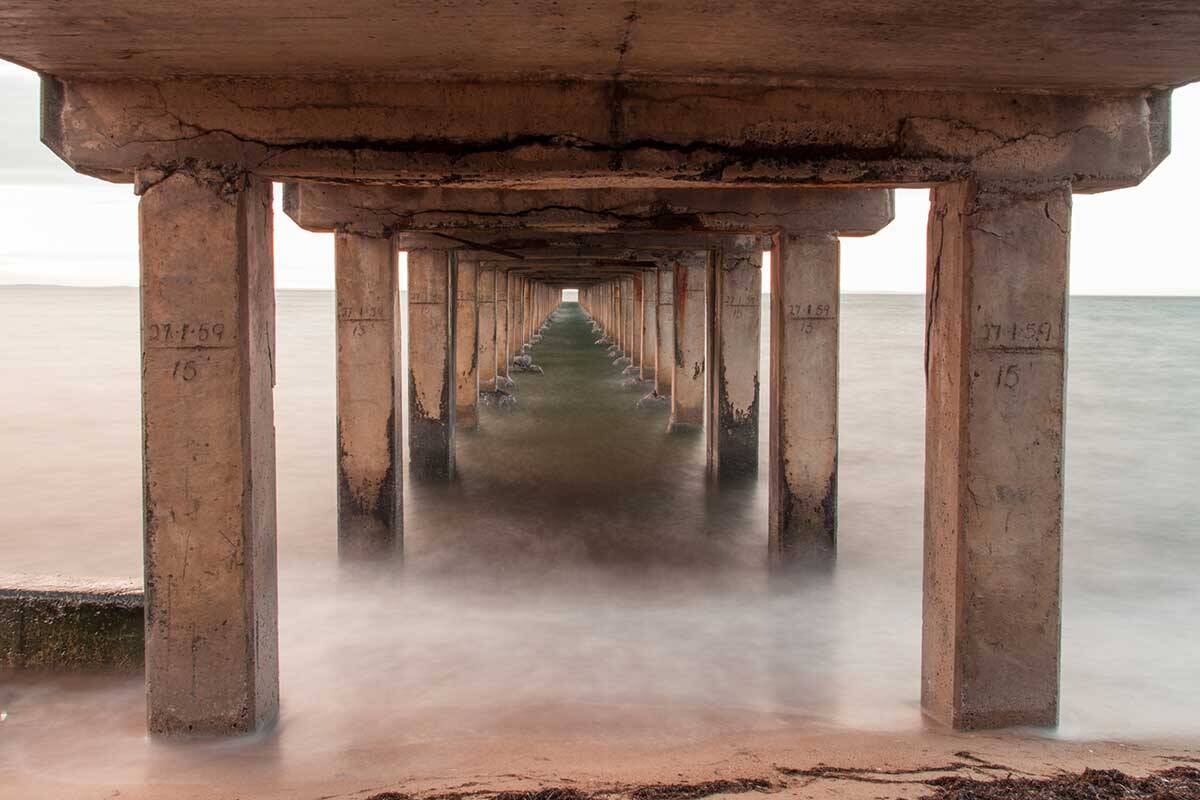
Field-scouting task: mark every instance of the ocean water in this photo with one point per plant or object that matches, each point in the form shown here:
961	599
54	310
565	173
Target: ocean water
581	575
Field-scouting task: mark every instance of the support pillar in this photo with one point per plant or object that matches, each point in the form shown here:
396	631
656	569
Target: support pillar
431	372
208	374
466	346
370	499
687	384
487	328
802	486
503	330
665	322
995	370
734	332
648	355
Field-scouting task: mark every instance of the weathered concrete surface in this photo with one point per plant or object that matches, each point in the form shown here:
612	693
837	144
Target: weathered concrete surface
208	344
664	363
995	365
370	497
466	346
1011	43
687	384
61	624
632	133
735	314
802	482
431	364
648	356
376	210
486	298
631	316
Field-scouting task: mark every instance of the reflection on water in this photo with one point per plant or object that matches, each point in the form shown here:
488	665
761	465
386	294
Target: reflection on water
581	578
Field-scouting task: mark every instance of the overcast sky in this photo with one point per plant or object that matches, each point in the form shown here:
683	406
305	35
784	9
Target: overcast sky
63	228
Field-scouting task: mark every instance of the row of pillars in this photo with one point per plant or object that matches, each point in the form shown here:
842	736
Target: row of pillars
995	334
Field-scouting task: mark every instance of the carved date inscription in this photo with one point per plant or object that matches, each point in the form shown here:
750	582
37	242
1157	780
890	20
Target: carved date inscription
1040	334
185	334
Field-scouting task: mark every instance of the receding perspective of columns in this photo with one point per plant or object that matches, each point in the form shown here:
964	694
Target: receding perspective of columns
208	372
370	500
431	363
487	328
995	372
735	293
687	383
466	346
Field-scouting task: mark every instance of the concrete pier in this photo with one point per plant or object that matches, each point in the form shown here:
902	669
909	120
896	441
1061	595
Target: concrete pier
735	296
466	346
370	498
581	133
431	363
486	298
687	383
208	374
995	366
802	481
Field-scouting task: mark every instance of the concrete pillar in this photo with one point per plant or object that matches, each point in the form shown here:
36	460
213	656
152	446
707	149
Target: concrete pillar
648	355
995	370
370	504
431	372
687	384
802	484
665	322
517	292
487	328
734	332
631	314
208	374
466	347
503	330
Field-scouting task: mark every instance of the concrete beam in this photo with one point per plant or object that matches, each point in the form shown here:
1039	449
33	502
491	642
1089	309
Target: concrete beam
208	375
996	368
589	134
377	210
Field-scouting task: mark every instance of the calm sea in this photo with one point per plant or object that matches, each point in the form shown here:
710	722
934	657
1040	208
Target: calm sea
581	563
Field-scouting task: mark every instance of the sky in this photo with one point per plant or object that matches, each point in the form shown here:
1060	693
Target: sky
67	229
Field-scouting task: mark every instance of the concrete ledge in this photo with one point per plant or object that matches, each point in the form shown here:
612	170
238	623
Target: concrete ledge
58	623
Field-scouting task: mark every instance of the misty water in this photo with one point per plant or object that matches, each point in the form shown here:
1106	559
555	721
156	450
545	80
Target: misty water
581	577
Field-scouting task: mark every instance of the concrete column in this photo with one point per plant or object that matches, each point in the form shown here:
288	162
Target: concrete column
487	328
503	330
466	347
995	371
517	293
370	499
208	438
431	372
687	384
734	332
665	322
802	483
648	355
631	314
